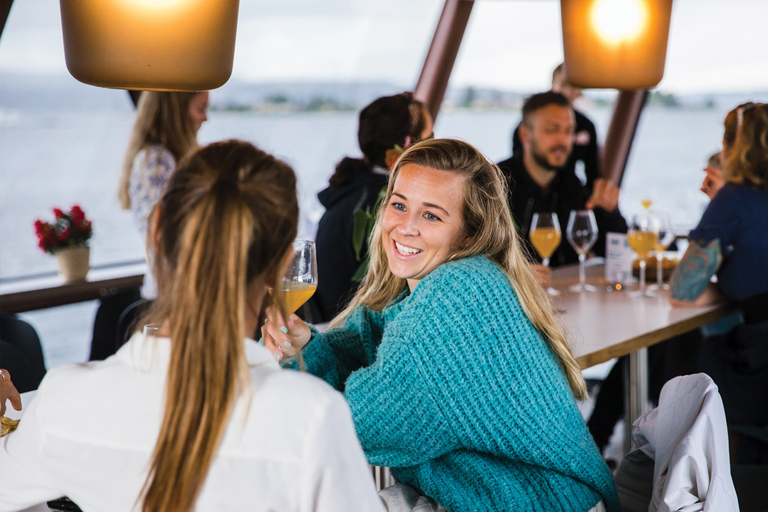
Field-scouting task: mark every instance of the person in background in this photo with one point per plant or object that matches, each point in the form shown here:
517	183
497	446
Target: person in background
585	149
450	355
714	179
539	182
164	131
198	416
386	127
730	242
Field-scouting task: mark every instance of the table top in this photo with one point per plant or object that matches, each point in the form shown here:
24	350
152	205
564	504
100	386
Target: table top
606	324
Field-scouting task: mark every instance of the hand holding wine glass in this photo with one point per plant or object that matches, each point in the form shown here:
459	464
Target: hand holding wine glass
288	336
582	235
545	236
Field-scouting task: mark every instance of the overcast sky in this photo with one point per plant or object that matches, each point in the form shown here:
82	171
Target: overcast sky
714	45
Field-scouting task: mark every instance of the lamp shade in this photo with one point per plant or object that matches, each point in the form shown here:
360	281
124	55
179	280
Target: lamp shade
615	44
161	45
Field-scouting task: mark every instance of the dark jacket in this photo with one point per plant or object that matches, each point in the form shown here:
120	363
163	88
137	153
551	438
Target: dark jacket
565	193
584	149
336	261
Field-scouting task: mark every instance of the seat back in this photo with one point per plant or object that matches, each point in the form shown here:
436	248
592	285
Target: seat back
127	322
21	353
105	324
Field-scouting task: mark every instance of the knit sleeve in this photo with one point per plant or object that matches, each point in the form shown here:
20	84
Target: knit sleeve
398	421
335	354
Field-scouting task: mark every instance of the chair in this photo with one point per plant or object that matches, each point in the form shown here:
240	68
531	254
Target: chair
106	321
127	321
681	458
21	353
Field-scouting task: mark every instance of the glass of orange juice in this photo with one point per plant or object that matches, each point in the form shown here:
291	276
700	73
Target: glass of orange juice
545	237
643	236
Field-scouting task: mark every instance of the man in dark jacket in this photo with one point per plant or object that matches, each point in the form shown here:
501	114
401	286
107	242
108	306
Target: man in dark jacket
584	155
539	182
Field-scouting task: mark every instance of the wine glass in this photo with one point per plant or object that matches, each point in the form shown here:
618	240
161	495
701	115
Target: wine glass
300	280
582	235
545	236
666	235
642	236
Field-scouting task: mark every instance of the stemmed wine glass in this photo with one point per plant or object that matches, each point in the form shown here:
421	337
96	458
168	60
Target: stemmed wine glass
582	235
545	236
642	236
666	235
300	279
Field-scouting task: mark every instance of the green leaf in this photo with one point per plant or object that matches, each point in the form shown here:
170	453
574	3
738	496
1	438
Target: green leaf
360	221
361	270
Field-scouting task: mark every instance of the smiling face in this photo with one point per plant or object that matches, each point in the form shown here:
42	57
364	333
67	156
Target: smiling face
422	224
198	109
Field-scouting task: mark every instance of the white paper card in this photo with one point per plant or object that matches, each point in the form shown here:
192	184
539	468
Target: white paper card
618	258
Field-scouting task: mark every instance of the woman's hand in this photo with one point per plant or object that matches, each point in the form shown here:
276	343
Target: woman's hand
8	392
713	181
284	339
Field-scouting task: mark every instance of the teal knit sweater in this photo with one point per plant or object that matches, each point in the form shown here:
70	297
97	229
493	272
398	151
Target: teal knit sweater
454	389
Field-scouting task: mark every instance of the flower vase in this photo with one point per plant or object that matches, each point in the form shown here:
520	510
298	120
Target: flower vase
74	262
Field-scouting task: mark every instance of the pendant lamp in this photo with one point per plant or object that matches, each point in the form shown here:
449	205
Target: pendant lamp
161	45
615	44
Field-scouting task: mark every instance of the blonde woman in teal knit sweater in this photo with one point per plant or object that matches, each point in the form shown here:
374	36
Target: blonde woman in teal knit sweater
450	356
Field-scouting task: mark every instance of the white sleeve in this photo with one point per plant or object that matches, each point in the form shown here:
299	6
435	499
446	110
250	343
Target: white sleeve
335	475
24	477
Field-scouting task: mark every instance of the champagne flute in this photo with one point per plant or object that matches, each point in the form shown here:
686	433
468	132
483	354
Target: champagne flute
581	233
666	235
545	236
300	280
642	237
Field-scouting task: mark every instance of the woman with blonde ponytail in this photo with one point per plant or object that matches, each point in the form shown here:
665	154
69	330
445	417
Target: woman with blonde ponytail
455	366
200	416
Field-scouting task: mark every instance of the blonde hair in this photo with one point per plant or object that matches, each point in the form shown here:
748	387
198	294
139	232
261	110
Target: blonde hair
488	220
747	160
162	118
225	222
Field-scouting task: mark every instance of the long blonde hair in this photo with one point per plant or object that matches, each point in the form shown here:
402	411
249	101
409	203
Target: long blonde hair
162	118
747	160
487	218
226	220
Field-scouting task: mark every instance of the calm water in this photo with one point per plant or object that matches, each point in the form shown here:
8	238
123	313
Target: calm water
67	157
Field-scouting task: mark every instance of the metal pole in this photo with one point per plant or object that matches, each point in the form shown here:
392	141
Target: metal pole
635	392
438	65
621	133
5	10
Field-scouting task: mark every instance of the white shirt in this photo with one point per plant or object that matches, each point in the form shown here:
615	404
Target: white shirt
90	431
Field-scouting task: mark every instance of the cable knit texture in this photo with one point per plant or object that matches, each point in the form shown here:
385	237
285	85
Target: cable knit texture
454	389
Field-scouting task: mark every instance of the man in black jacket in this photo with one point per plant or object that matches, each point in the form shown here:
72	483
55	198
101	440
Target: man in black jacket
584	155
539	182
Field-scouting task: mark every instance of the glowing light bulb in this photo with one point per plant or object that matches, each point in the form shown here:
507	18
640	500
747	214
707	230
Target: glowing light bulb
619	20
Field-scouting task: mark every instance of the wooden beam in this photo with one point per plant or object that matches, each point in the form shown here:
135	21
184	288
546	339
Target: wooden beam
438	65
621	133
5	9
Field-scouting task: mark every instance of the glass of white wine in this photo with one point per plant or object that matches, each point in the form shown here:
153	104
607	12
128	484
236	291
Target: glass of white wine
666	236
581	233
545	237
642	236
300	280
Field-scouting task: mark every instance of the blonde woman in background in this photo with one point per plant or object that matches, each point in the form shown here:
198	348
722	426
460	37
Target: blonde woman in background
165	130
199	417
450	355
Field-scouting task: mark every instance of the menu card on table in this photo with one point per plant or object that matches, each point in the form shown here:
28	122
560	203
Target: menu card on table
618	258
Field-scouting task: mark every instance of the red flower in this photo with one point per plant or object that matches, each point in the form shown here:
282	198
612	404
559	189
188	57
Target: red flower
77	214
58	213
